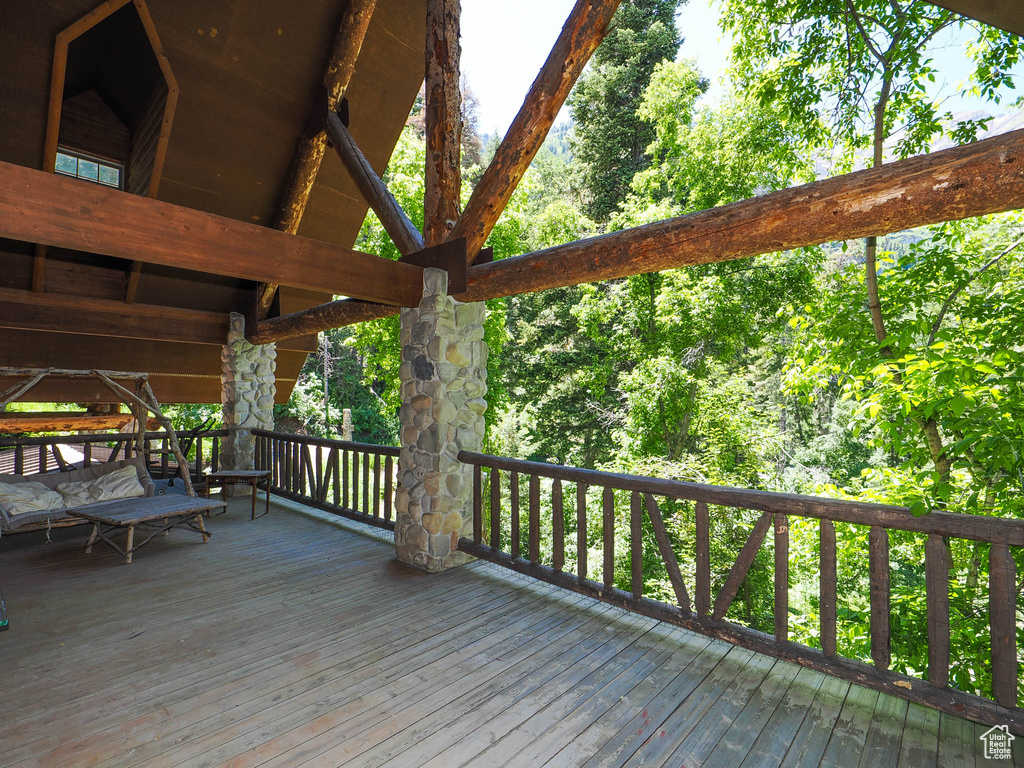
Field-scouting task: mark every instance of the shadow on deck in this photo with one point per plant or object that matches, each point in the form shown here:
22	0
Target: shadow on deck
298	640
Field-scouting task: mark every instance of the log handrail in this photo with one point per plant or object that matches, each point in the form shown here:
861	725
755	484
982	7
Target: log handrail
352	480
708	614
158	462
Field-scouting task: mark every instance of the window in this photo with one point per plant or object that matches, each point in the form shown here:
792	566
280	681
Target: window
89	168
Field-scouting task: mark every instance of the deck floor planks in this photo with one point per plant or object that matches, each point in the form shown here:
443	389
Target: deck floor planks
882	745
625	650
737	742
957	745
462	736
385	701
632	713
920	743
815	731
648	722
291	641
778	733
700	742
205	674
851	728
564	726
284	683
349	686
410	728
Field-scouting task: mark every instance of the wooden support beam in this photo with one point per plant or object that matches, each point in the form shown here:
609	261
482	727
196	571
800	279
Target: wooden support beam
104	317
582	34
45	208
20	423
443	121
39	269
976	179
396	223
972	180
309	153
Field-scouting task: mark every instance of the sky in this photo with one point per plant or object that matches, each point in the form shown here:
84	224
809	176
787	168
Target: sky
505	43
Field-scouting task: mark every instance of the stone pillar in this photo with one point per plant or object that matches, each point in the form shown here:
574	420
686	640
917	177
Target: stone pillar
247	394
444	380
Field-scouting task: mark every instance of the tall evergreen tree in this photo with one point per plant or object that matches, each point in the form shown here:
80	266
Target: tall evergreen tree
611	140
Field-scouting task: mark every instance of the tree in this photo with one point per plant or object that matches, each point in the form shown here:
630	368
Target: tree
873	95
610	141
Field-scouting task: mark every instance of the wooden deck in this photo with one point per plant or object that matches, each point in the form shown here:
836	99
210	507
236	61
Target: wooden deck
291	641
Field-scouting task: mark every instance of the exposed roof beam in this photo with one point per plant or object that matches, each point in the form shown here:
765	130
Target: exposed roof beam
972	180
45	208
104	317
583	32
1004	14
396	223
309	153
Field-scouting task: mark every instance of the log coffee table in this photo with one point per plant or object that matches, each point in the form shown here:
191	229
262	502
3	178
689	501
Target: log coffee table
253	477
154	514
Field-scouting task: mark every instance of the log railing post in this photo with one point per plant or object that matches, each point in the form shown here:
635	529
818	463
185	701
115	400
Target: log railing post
781	577
582	540
495	509
1003	624
608	535
702	596
878	575
557	527
936	555
827	585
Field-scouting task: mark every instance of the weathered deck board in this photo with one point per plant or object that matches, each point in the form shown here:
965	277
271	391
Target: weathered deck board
293	641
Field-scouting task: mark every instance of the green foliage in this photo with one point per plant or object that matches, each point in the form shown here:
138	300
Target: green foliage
952	356
611	139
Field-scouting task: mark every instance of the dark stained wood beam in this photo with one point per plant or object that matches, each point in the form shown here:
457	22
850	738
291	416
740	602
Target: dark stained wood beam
396	223
583	32
998	13
103	317
50	209
39	269
443	179
973	180
309	153
976	179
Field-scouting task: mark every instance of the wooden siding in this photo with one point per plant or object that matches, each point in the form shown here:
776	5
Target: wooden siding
294	641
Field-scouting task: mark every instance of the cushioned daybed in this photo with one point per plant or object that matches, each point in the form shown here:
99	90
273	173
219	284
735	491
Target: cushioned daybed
29	502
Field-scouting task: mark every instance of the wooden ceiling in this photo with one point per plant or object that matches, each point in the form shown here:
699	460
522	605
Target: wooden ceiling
249	74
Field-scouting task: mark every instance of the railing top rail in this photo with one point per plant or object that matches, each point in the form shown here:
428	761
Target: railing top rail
326	442
105	437
994	530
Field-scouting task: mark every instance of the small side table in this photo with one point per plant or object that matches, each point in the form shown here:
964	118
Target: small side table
253	477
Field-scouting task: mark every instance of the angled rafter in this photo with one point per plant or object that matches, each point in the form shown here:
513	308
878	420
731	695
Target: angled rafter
396	223
309	153
55	210
972	180
583	32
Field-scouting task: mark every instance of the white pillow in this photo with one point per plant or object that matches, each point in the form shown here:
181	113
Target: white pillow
78	494
21	498
119	484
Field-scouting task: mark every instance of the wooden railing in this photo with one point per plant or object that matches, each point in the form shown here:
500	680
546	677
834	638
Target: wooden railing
354	480
496	527
33	455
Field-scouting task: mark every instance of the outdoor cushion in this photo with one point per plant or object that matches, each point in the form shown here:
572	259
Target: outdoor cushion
22	498
78	494
121	484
